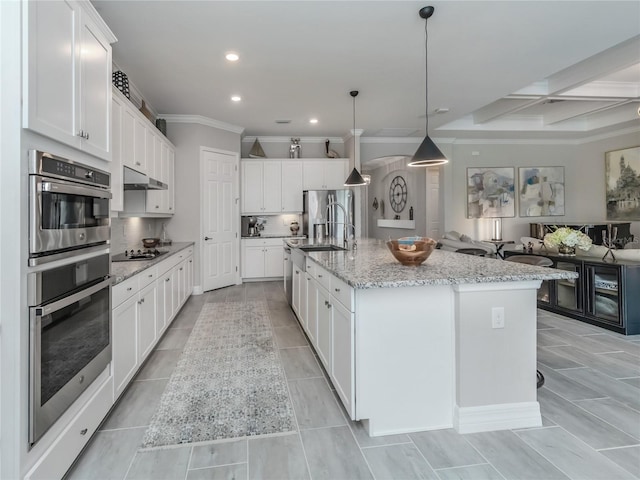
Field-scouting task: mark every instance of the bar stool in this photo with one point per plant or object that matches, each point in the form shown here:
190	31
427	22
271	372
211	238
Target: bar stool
540	262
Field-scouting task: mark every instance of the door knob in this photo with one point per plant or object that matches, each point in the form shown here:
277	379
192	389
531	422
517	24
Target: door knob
208	238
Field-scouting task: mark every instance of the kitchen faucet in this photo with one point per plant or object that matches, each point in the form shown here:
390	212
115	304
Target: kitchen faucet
345	224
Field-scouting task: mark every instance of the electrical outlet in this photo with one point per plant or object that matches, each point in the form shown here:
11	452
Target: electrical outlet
497	317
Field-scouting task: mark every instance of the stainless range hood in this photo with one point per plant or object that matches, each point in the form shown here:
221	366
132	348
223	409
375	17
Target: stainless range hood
134	180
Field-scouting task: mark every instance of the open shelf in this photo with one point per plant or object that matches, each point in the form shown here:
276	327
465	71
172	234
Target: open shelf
407	224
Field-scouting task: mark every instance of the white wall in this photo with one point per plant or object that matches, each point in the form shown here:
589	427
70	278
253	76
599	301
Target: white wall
584	181
188	138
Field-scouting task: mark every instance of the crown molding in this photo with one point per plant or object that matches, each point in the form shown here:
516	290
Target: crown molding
268	139
201	120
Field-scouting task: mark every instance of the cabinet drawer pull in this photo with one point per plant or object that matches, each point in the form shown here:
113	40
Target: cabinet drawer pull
151	275
129	289
167	279
319	276
337	289
87	136
83	431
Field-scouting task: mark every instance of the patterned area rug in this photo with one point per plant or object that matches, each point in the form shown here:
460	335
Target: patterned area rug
228	383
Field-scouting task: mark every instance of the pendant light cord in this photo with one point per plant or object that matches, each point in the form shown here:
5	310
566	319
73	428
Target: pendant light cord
426	76
354	131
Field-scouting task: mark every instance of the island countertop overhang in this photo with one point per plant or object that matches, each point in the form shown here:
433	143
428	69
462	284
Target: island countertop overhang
371	265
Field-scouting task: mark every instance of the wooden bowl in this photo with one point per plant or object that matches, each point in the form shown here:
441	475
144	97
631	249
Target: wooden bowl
150	242
412	251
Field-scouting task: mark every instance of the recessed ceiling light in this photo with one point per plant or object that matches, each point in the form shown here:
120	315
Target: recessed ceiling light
236	98
313	120
232	57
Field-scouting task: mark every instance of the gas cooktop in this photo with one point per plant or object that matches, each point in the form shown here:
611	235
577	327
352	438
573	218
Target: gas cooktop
129	255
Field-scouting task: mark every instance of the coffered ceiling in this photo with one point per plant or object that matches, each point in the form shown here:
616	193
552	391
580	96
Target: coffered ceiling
504	69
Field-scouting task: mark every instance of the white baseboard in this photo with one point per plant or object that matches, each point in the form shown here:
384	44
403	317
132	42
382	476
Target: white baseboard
488	418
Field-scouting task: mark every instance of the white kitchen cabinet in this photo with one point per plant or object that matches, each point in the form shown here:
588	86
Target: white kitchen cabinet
68	75
147	305
312	310
324	174
171	190
325	330
128	131
261	186
291	186
124	344
115	169
150	154
163	303
296	285
139	144
343	360
262	258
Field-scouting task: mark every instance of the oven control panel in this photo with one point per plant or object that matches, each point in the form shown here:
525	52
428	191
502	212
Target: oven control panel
50	165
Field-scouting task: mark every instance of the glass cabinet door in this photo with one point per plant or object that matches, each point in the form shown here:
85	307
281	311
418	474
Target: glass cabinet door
603	294
568	294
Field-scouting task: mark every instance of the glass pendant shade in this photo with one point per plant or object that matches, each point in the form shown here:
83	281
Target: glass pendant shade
354	179
427	155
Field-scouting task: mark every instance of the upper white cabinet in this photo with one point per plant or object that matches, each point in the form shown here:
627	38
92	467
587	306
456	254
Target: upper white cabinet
137	143
67	75
292	186
271	186
324	174
261	186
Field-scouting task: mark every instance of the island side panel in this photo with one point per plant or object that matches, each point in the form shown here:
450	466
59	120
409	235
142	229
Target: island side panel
495	367
404	358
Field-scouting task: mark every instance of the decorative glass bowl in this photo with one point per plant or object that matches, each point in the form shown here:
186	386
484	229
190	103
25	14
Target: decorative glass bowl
411	251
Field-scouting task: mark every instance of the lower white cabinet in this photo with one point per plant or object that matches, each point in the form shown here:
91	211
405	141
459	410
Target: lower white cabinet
145	305
324	305
323	341
124	344
296	285
262	258
147	308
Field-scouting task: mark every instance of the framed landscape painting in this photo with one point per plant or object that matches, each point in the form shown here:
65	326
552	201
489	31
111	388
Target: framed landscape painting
541	191
622	177
490	192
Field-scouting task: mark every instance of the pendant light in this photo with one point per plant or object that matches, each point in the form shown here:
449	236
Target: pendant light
428	154
354	179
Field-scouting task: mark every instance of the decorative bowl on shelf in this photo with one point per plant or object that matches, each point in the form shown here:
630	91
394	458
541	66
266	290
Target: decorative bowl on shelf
411	251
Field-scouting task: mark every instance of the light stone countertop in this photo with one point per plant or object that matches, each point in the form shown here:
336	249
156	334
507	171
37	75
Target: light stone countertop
373	266
123	270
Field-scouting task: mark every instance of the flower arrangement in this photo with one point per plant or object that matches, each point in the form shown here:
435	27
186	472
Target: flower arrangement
567	237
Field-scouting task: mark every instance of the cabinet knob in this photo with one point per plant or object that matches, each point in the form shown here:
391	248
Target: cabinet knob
87	135
180	268
83	431
208	238
138	163
80	134
167	279
337	289
297	273
150	275
129	289
319	276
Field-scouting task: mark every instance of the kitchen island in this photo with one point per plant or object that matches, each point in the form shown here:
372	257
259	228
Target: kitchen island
451	343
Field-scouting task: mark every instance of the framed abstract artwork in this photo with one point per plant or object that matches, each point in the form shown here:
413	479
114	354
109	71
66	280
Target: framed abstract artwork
541	191
490	192
622	181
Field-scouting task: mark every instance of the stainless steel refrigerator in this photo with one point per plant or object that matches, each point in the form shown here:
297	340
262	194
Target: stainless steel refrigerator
328	213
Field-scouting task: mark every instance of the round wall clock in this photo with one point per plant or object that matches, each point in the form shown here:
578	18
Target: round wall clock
398	194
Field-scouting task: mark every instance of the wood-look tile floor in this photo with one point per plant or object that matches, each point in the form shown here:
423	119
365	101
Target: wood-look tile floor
590	405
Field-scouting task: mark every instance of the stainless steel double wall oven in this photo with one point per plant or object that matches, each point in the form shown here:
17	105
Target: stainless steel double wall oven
68	284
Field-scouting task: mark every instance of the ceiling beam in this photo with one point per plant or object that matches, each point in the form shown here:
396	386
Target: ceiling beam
503	107
611	60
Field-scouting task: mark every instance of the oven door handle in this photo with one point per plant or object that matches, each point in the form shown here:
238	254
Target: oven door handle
76	297
75	190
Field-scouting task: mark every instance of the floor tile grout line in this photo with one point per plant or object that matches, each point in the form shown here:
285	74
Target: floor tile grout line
592	414
467	466
216	466
186	473
382	445
608	449
295	417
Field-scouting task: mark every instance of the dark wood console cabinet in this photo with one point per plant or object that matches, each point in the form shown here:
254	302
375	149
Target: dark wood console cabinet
606	293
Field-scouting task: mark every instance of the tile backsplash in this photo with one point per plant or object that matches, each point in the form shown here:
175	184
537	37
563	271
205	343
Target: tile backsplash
127	233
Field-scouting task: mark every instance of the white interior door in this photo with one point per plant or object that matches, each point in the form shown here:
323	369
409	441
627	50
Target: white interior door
433	203
220	217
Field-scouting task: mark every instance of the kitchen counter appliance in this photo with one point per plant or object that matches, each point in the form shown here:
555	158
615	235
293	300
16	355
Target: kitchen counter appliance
68	208
129	255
